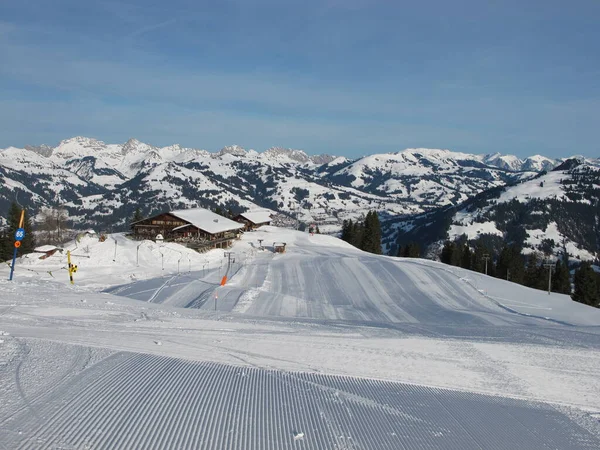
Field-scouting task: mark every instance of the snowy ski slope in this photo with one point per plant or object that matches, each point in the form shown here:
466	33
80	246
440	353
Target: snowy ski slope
321	277
322	347
170	403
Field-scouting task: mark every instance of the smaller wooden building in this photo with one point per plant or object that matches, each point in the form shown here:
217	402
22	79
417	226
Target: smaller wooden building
279	247
45	251
197	228
254	219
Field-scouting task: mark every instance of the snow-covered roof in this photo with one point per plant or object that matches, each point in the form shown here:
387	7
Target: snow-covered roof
257	217
45	248
182	226
206	220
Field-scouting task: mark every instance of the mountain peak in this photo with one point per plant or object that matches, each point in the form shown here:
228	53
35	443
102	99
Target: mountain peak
570	163
78	146
132	141
434	153
279	153
135	146
234	150
80	140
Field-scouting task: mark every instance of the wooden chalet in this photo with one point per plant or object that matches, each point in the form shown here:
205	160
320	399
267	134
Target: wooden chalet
197	228
279	247
46	251
254	219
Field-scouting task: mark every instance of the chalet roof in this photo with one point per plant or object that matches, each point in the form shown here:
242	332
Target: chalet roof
182	226
45	248
257	217
206	220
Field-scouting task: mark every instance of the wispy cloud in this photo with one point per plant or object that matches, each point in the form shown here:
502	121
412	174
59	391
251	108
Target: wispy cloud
151	28
185	87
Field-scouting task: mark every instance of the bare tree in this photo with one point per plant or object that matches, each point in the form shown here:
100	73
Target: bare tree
52	224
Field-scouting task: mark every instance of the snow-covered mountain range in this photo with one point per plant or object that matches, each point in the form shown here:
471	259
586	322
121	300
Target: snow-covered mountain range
552	213
102	184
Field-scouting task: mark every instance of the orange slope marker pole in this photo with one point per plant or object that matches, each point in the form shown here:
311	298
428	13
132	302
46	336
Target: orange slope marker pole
223	281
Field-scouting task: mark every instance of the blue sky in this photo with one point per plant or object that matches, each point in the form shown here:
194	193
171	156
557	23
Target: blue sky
345	77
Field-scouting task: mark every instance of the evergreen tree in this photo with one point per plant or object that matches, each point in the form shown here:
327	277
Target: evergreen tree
352	232
346	230
510	264
491	268
447	252
375	232
376	226
318	231
357	234
585	285
503	266
466	257
28	243
517	269
415	251
371	238
535	276
412	250
8	235
456	259
137	216
14	216
5	246
560	278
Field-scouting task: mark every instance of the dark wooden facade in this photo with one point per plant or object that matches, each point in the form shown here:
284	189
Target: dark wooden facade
174	229
152	226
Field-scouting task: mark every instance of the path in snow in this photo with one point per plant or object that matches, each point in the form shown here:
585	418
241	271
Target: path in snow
143	401
341	287
320	308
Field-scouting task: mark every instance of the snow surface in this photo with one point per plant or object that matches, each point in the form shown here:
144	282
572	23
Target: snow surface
532	189
257	217
45	248
535	238
207	220
343	348
474	230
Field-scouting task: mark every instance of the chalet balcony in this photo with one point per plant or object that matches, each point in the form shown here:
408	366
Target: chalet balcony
199	244
203	242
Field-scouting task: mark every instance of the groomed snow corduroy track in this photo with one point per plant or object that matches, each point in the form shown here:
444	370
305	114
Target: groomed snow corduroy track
145	402
296	355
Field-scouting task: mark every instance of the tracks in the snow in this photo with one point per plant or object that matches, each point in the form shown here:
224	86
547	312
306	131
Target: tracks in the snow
153	402
78	359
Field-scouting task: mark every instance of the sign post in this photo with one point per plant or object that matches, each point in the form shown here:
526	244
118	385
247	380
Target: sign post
72	267
19	235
